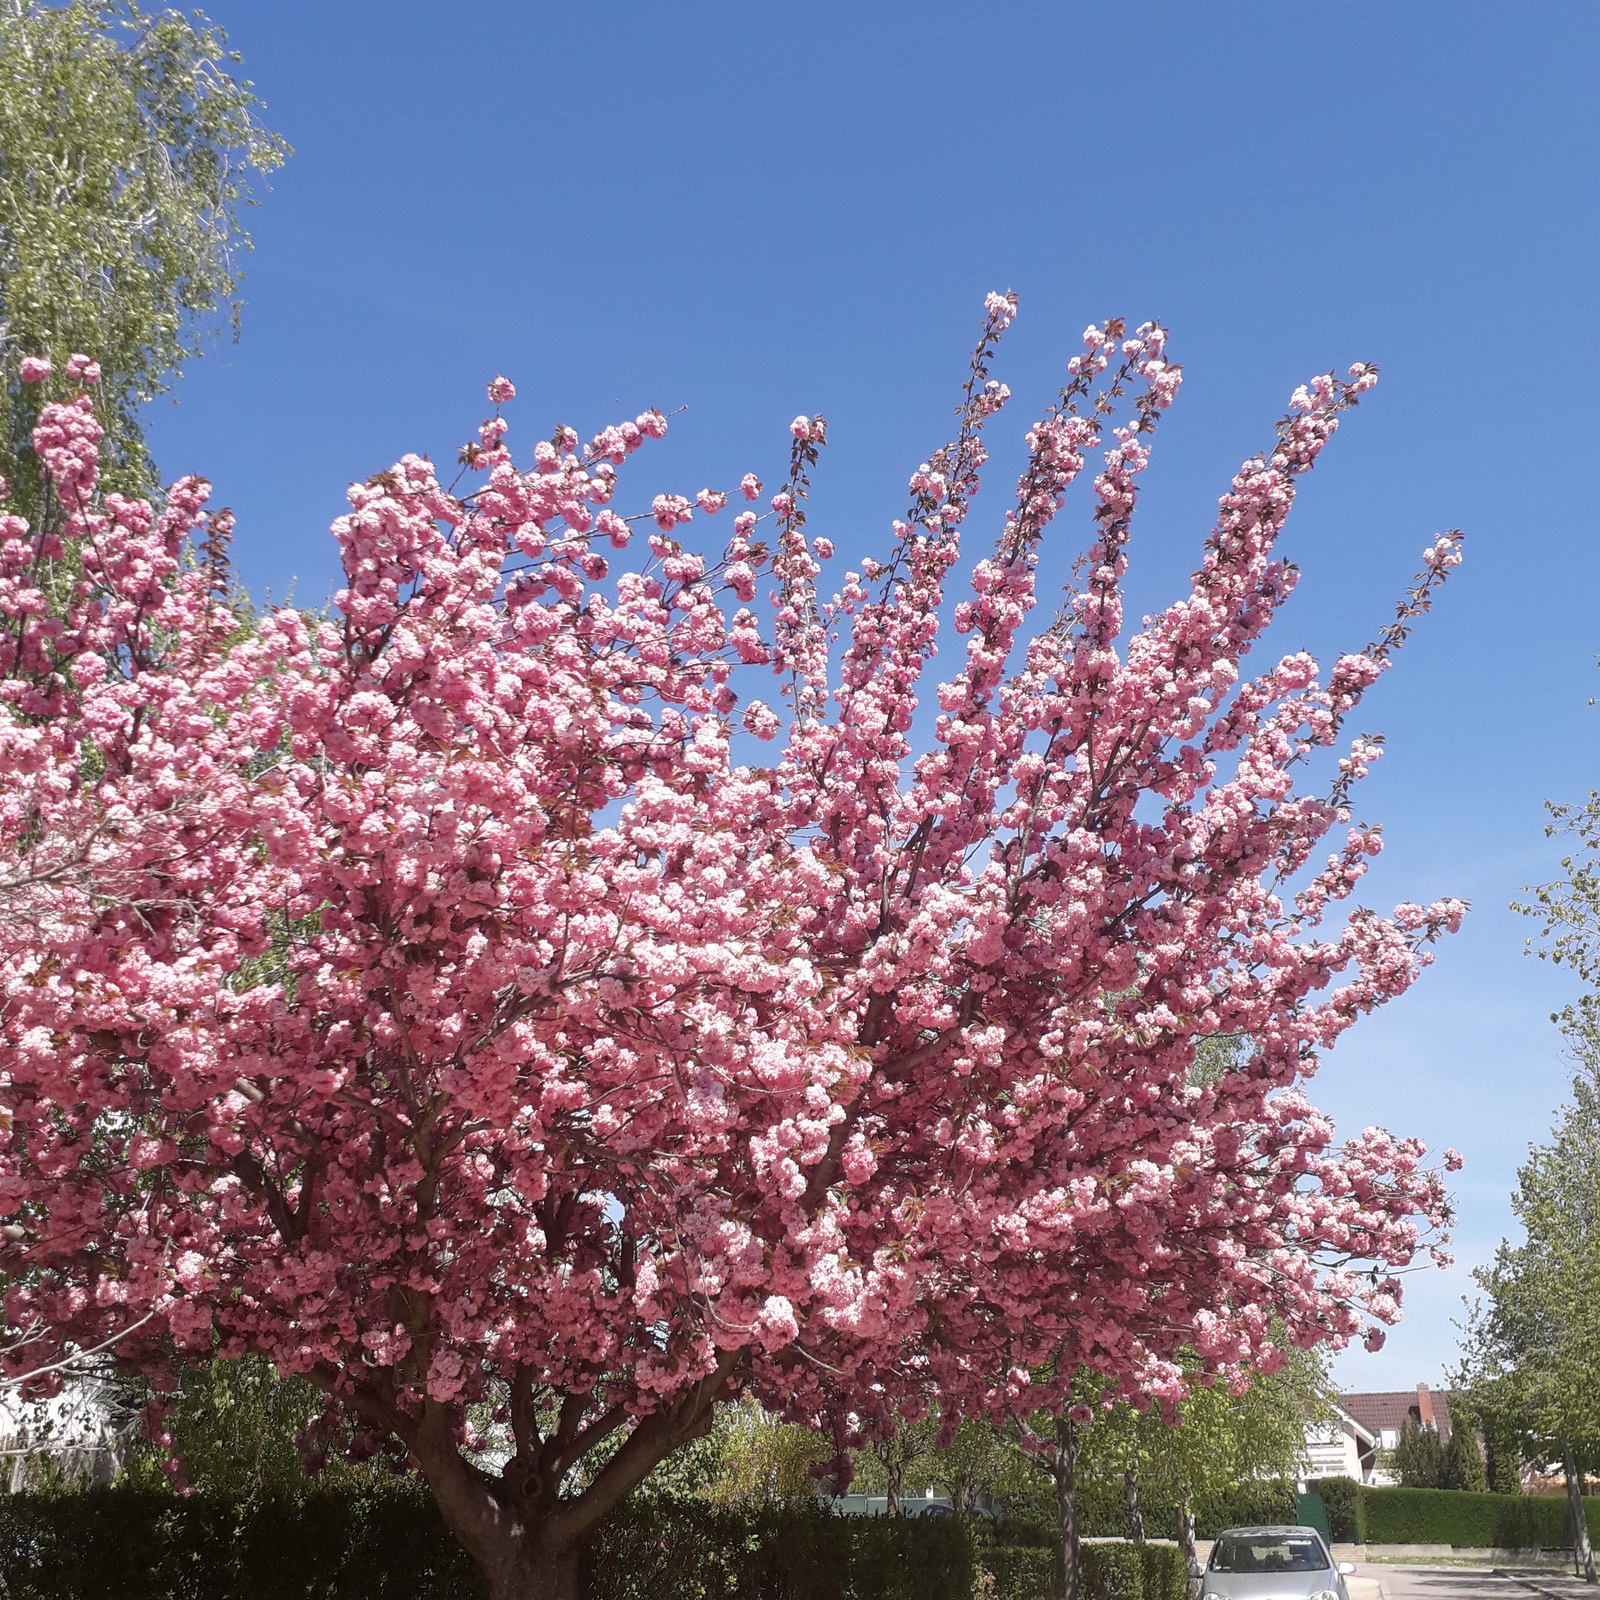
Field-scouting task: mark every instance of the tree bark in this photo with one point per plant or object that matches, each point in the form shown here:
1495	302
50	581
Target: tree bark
526	1538
1130	1496
1582	1550
894	1471
1185	1534
1064	1469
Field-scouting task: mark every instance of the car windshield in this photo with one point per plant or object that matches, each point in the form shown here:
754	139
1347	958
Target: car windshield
1268	1552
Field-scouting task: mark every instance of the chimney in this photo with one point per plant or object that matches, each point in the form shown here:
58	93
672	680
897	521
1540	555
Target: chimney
1425	1408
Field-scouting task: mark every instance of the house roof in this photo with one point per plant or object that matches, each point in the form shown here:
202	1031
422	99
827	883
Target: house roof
1362	1432
1390	1408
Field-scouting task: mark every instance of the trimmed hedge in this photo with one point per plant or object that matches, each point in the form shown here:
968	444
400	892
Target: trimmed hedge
391	1544
1342	1498
1166	1573
123	1544
1363	1515
1112	1572
653	1552
1020	1571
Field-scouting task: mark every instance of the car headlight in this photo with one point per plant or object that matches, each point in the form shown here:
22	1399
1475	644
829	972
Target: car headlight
1324	1594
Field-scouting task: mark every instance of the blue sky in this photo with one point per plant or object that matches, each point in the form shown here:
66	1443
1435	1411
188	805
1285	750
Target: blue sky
751	211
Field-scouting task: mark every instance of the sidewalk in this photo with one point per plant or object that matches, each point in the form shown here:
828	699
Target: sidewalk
1459	1582
1551	1582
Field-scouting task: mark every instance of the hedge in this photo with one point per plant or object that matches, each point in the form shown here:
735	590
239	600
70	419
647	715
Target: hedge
1020	1571
1362	1515
1166	1573
390	1544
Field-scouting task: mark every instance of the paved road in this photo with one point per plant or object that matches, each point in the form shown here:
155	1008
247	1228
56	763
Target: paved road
1381	1582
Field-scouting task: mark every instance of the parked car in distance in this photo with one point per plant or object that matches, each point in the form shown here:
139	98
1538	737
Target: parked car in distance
1287	1563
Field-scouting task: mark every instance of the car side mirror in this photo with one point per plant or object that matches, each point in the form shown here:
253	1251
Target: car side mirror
1346	1568
1197	1571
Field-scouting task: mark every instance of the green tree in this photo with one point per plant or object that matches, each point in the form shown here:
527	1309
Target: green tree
762	1464
1530	1341
1463	1466
233	1426
126	152
1419	1457
892	1458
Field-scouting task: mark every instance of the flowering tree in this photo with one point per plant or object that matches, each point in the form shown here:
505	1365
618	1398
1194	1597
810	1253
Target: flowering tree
430	999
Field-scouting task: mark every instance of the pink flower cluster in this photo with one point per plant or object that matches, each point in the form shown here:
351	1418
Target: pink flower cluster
434	997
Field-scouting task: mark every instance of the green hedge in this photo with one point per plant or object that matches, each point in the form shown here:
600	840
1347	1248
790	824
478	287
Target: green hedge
1342	1497
120	1544
1020	1571
664	1551
1165	1572
1362	1515
1113	1572
390	1544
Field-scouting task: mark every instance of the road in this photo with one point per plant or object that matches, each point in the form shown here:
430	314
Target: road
1375	1582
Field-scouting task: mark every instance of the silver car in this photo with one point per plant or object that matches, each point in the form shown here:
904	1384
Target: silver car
1273	1564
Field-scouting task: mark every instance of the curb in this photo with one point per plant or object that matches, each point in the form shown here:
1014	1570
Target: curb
1528	1582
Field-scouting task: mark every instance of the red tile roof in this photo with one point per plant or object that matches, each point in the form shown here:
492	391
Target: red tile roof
1390	1408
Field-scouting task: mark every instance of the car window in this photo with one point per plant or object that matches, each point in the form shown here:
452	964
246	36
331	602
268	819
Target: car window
1268	1552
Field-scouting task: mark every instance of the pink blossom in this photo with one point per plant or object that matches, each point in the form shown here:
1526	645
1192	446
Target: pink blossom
481	1019
760	720
750	486
34	369
501	390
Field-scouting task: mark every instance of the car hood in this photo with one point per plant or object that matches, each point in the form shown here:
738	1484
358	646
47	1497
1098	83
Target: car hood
1268	1585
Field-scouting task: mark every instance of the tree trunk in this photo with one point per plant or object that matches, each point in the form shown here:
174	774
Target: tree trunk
894	1471
1582	1551
1185	1532
1130	1495
535	1576
1064	1469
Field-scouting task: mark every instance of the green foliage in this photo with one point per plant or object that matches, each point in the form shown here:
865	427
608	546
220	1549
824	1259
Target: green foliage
759	1463
971	1466
894	1464
1473	1521
126	146
1342	1498
1113	1572
1504	1466
234	1425
1529	1343
1463	1465
1164	1573
1362	1515
387	1542
1245	1505
375	1543
1419	1457
648	1552
1019	1571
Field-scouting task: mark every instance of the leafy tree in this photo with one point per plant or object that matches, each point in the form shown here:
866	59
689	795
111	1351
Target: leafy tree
609	1076
127	147
1419	1456
1530	1341
1463	1466
763	1464
232	1428
971	1466
897	1448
